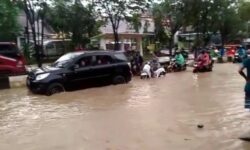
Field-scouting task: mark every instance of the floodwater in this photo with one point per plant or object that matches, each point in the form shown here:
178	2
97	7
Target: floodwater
156	114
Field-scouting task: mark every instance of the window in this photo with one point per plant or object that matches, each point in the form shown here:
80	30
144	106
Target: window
50	49
85	62
8	48
121	57
59	47
103	60
50	46
64	60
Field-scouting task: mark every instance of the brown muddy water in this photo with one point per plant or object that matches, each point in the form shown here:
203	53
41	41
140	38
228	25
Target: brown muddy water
156	114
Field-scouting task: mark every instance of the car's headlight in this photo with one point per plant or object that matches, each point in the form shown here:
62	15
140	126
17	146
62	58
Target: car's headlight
42	76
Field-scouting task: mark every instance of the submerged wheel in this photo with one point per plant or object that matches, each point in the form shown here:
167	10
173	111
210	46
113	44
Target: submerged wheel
55	88
162	73
119	80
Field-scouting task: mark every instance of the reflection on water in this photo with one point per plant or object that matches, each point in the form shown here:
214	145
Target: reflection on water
145	114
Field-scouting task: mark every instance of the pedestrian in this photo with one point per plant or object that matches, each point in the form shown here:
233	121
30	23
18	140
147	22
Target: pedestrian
242	52
246	65
222	51
138	60
221	54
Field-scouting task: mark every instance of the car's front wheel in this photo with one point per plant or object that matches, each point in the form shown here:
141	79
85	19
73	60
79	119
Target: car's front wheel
119	80
55	88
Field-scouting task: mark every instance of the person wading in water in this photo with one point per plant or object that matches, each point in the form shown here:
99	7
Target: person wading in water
246	65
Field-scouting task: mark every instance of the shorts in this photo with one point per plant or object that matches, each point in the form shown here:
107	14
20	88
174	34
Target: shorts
247	96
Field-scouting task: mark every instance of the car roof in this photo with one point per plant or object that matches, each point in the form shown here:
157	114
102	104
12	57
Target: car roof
100	52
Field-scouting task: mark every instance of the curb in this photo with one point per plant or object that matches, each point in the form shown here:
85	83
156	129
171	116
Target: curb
5	82
17	81
12	82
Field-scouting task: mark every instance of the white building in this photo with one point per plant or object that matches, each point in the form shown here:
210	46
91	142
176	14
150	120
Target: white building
128	37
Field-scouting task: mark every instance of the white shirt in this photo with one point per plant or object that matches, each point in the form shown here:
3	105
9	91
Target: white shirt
146	68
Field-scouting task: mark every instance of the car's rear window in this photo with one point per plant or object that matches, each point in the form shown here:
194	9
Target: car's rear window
121	57
9	50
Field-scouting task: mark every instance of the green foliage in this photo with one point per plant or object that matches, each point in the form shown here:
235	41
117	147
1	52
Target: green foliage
135	20
58	16
244	10
204	16
74	20
169	17
9	27
160	31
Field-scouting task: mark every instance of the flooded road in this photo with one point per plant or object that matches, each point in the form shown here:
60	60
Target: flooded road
155	114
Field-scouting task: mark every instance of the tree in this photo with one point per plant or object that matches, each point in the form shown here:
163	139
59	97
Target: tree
9	27
75	20
35	11
244	9
58	16
135	20
117	10
171	13
228	21
200	18
209	17
161	34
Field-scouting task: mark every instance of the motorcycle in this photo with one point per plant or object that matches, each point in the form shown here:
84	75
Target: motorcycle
174	67
199	68
237	58
157	73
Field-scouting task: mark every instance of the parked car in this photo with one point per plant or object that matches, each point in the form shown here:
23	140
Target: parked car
53	48
80	68
12	61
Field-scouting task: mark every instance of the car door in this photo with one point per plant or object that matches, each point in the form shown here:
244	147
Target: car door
82	70
103	66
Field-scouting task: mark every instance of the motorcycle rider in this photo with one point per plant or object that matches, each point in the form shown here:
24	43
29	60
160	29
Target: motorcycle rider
213	52
184	53
155	64
179	59
242	52
204	59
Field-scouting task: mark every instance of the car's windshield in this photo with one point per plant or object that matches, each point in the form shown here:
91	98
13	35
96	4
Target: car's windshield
65	60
